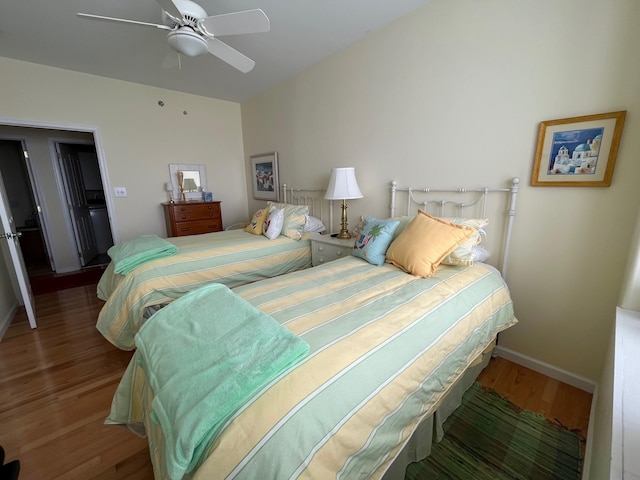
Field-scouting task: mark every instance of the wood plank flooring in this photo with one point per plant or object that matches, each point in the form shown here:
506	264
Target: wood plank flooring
57	383
55	392
559	402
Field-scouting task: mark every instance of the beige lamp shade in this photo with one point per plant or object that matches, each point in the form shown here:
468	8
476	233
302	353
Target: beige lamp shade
190	185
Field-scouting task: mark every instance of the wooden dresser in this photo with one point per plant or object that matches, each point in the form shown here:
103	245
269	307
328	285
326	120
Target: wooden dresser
191	218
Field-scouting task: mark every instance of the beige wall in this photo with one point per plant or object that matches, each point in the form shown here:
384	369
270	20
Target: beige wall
137	137
453	95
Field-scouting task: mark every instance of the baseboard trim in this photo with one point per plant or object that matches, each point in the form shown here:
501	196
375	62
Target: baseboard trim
6	321
546	369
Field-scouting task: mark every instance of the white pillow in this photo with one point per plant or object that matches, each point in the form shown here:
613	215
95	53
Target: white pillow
273	226
313	224
479	254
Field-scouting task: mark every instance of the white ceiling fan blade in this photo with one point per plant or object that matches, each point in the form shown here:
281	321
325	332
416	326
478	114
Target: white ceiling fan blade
248	21
122	20
230	55
171	8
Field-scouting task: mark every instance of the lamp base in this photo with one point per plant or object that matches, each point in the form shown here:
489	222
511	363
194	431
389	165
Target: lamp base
344	233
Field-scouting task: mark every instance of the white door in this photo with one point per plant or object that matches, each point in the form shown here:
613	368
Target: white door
77	204
8	234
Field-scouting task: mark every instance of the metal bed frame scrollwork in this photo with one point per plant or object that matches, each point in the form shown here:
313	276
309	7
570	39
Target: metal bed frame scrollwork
468	201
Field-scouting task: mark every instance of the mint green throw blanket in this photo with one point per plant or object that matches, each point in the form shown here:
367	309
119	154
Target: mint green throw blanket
132	253
205	355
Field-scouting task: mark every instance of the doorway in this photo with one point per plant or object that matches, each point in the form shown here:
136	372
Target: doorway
69	169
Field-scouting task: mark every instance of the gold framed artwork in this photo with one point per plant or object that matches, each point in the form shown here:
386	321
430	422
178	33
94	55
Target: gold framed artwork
578	151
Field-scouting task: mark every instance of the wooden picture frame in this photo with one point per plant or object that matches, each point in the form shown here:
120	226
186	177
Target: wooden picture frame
265	181
578	151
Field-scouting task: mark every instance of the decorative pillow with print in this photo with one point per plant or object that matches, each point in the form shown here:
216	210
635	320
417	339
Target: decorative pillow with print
256	223
273	226
355	233
374	239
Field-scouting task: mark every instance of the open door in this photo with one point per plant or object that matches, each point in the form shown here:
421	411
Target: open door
77	203
8	234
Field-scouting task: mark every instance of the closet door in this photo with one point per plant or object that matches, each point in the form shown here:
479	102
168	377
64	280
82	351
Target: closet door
77	203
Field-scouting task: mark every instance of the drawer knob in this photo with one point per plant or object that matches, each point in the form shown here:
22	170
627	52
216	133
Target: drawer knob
338	252
321	249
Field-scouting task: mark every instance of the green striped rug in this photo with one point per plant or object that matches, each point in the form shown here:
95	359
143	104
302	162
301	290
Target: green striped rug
490	438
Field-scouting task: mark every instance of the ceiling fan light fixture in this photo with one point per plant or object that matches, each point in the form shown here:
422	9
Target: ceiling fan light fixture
187	42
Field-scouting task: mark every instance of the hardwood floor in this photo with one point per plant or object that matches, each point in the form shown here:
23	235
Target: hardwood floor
559	402
57	383
55	392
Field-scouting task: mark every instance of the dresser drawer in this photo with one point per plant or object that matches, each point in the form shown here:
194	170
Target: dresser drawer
198	226
192	218
327	250
187	213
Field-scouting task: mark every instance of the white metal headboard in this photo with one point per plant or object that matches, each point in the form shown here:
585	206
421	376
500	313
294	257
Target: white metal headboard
312	197
467	202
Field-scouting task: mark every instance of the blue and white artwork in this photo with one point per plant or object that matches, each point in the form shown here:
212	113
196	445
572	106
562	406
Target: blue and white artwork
575	152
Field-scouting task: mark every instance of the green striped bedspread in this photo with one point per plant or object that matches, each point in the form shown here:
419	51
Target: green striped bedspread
385	348
232	258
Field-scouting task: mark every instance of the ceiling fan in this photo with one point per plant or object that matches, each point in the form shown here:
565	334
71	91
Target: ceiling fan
192	32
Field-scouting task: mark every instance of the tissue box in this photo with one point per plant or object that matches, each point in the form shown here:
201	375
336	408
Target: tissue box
207	196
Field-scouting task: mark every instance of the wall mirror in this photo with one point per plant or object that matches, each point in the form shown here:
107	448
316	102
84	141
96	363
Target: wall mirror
194	180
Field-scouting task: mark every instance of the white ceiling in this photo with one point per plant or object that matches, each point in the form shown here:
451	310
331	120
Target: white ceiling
303	32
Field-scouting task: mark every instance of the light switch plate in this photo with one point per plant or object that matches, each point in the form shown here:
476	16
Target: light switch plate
120	191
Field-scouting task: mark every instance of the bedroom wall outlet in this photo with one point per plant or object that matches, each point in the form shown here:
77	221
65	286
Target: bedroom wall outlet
120	191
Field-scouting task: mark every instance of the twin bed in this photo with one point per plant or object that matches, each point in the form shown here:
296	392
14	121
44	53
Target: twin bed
232	257
388	356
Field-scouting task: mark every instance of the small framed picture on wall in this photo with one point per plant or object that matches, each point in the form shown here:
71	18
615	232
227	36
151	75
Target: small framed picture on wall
264	176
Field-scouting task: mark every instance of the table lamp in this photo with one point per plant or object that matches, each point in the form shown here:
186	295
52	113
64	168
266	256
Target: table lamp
343	186
169	189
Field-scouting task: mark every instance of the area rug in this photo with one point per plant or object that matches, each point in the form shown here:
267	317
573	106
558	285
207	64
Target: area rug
488	437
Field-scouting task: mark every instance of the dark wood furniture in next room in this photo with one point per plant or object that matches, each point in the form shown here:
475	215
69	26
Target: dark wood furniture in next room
191	218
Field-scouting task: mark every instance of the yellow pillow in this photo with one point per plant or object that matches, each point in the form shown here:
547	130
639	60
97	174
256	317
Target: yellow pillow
256	223
425	242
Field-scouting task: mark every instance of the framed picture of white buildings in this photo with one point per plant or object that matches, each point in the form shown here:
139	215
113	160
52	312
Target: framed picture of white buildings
578	151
